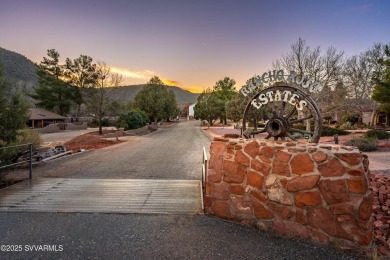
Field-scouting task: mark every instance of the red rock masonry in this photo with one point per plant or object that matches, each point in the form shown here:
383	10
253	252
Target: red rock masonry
315	191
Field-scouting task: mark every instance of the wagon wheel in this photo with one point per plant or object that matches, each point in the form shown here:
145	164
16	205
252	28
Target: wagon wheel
288	114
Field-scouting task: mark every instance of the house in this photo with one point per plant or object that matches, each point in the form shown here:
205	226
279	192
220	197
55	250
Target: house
187	110
40	118
191	112
376	118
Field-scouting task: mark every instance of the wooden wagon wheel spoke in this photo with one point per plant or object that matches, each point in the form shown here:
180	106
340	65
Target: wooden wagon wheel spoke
259	131
274	113
300	120
282	109
291	112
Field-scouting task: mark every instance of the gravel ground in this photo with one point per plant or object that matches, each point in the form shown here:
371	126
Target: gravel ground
134	236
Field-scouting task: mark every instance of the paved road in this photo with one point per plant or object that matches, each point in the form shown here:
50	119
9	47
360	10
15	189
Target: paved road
172	153
379	161
169	153
136	236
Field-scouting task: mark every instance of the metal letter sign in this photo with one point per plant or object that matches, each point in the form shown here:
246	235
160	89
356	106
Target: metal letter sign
285	110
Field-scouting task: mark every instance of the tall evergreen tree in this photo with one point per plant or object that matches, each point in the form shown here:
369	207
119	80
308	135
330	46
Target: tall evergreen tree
13	112
157	100
207	106
225	90
80	74
52	93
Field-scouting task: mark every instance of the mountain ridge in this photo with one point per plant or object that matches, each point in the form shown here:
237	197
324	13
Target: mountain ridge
22	73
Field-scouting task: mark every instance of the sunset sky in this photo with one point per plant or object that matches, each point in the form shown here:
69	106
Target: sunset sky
190	44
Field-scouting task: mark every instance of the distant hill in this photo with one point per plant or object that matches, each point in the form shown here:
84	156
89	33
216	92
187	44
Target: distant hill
129	92
19	70
22	72
17	67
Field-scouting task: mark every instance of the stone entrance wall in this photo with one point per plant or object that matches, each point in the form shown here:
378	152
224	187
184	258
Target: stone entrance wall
314	191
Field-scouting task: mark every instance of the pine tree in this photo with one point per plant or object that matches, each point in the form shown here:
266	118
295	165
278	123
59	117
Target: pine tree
157	100
53	93
13	112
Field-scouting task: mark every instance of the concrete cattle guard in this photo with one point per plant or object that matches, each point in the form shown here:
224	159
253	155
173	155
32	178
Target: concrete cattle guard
270	104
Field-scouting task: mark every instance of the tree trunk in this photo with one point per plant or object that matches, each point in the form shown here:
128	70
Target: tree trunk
100	129
78	113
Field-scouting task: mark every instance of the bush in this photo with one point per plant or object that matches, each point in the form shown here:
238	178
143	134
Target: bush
348	126
330	131
363	144
29	136
25	136
105	122
377	134
132	120
297	136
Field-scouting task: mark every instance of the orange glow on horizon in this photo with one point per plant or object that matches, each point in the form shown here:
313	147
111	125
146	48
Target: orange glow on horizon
131	77
194	89
146	74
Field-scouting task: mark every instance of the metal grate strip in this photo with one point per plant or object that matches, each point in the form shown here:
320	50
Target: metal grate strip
103	195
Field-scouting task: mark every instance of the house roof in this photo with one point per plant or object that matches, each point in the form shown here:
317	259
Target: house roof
42	114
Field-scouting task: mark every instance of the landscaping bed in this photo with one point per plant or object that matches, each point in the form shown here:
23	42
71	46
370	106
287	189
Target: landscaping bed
90	141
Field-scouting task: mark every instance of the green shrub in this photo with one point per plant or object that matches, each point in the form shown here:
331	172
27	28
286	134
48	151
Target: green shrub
348	126
132	120
363	144
330	131
297	136
25	136
105	122
29	136
377	134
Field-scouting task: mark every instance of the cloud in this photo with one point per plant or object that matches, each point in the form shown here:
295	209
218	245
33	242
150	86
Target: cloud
137	77
146	74
171	82
194	89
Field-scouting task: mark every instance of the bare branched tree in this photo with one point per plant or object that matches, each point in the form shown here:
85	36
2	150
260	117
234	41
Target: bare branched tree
357	78
325	68
99	95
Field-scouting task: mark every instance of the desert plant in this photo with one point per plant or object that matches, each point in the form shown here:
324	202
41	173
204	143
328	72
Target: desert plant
105	122
29	136
363	144
133	120
348	126
377	134
14	152
297	136
330	131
